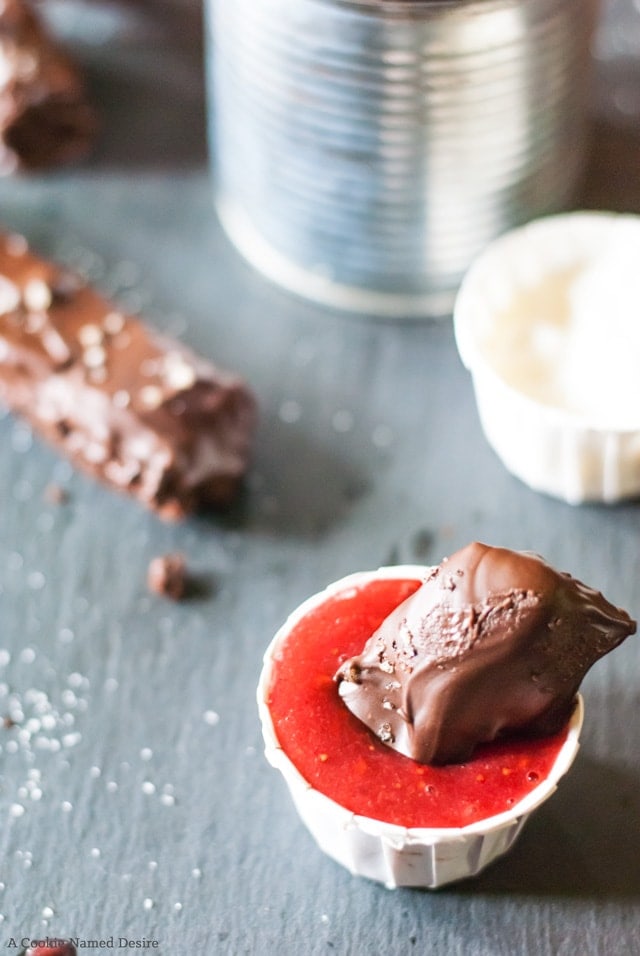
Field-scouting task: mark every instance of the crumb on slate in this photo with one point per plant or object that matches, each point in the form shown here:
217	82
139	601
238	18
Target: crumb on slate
55	494
167	576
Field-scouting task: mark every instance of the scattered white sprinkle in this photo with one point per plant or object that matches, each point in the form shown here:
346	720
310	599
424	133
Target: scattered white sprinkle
36	793
36	580
15	561
167	800
47	912
71	740
177	907
153	864
382	436
111	684
28	655
196	872
68	697
66	807
76	680
112	786
65	635
95	772
211	717
148	787
11	746
16	810
147	904
342	421
325	919
95	852
5	657
290	411
146	753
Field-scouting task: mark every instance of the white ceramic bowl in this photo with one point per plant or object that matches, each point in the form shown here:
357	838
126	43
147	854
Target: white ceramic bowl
546	322
390	854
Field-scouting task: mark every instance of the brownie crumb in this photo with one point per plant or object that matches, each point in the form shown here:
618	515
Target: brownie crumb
167	576
55	495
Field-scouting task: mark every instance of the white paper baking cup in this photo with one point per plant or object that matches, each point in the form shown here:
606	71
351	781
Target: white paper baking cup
571	455
390	854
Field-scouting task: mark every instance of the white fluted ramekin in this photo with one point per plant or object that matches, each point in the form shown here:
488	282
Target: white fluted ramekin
391	854
573	456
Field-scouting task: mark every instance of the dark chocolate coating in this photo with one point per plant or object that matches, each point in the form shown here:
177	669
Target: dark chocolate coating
45	117
139	411
494	643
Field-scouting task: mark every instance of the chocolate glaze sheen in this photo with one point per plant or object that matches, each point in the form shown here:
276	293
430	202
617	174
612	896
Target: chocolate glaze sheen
494	643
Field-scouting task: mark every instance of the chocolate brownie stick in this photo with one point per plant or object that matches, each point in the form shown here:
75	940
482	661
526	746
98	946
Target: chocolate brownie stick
45	118
138	411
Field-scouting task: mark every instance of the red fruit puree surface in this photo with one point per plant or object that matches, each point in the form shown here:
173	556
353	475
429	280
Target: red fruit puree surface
341	757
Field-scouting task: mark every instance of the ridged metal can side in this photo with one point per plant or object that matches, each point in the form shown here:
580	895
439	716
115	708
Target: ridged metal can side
365	151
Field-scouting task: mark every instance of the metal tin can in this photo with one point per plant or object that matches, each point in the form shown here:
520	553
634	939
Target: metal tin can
365	151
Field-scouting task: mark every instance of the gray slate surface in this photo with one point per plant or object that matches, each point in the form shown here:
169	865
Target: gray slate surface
137	803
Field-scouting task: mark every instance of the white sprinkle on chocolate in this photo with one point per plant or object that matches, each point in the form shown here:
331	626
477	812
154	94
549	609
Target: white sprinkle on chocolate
37	296
113	323
89	335
151	396
385	734
178	373
121	398
94	357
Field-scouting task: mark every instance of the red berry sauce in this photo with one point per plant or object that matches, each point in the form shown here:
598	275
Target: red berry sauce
342	759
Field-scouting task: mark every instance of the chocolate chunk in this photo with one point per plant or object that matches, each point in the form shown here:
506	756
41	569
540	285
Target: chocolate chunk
45	118
55	494
167	576
128	406
494	643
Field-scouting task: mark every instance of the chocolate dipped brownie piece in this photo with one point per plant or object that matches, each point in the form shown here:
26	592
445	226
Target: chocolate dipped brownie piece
45	118
135	409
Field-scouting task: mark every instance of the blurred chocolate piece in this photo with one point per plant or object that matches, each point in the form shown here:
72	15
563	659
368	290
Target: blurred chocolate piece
137	410
55	494
167	576
45	118
494	643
